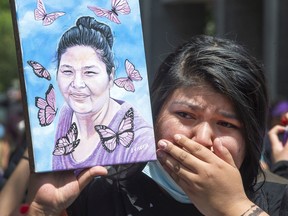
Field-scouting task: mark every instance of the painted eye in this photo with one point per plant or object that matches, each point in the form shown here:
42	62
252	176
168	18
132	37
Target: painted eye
67	72
90	72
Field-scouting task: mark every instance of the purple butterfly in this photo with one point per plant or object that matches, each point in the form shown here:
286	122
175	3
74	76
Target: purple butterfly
125	135
47	107
118	7
132	75
39	70
67	144
41	14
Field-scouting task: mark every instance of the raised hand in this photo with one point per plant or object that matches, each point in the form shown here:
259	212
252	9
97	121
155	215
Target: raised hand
51	193
279	150
210	179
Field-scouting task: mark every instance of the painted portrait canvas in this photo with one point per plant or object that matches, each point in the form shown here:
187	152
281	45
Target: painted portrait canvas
84	83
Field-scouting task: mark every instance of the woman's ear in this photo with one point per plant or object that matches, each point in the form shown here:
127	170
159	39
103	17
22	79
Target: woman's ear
111	77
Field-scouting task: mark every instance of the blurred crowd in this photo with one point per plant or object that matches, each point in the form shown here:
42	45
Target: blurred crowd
12	131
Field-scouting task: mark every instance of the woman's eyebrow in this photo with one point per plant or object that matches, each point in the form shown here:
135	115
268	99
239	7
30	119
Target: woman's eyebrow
191	106
229	115
65	65
89	66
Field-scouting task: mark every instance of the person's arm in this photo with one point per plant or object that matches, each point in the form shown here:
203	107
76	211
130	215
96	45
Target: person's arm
14	189
5	153
280	168
51	193
211	180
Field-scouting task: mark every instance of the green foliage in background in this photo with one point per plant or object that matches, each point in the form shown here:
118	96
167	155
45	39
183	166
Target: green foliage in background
4	4
8	59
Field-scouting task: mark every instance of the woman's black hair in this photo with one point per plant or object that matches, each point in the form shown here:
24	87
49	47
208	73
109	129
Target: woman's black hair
231	71
89	32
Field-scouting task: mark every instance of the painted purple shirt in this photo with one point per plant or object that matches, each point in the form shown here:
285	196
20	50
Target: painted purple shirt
142	148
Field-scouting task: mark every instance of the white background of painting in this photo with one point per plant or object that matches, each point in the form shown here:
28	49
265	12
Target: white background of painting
39	43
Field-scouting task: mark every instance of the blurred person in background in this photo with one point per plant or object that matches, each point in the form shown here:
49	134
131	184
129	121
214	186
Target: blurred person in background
14	181
4	151
13	194
278	137
276	116
14	130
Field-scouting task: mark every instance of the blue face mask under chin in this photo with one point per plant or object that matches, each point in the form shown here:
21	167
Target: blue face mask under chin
156	172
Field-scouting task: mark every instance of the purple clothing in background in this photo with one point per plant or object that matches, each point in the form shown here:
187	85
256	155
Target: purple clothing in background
142	148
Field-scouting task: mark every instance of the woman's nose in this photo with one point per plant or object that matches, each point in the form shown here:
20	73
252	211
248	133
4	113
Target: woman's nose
78	81
203	134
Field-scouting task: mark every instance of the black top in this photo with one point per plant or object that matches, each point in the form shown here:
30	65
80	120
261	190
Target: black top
280	168
138	195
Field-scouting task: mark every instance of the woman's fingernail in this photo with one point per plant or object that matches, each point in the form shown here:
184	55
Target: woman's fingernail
177	137
162	144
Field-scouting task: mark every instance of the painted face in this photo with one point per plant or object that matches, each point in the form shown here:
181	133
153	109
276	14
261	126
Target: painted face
202	115
83	80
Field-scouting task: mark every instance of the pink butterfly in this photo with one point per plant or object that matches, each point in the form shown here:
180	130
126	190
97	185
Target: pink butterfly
41	14
47	107
39	70
124	136
118	7
132	75
68	143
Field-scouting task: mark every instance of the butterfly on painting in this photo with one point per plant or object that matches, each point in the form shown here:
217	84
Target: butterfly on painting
47	107
118	7
125	135
41	14
132	75
67	144
39	70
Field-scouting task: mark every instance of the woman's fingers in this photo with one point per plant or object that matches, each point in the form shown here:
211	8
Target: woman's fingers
175	155
223	152
191	156
173	167
201	173
196	149
88	174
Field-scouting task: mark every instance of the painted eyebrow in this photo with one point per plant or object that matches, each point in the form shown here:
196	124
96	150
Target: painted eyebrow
65	65
85	67
89	67
223	113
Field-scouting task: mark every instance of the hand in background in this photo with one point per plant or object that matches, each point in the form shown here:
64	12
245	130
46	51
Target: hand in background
279	150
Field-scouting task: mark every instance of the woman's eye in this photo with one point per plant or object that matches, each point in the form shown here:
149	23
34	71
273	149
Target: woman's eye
67	72
90	73
184	115
227	125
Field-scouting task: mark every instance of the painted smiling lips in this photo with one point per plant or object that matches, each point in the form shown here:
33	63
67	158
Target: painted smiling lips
79	96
